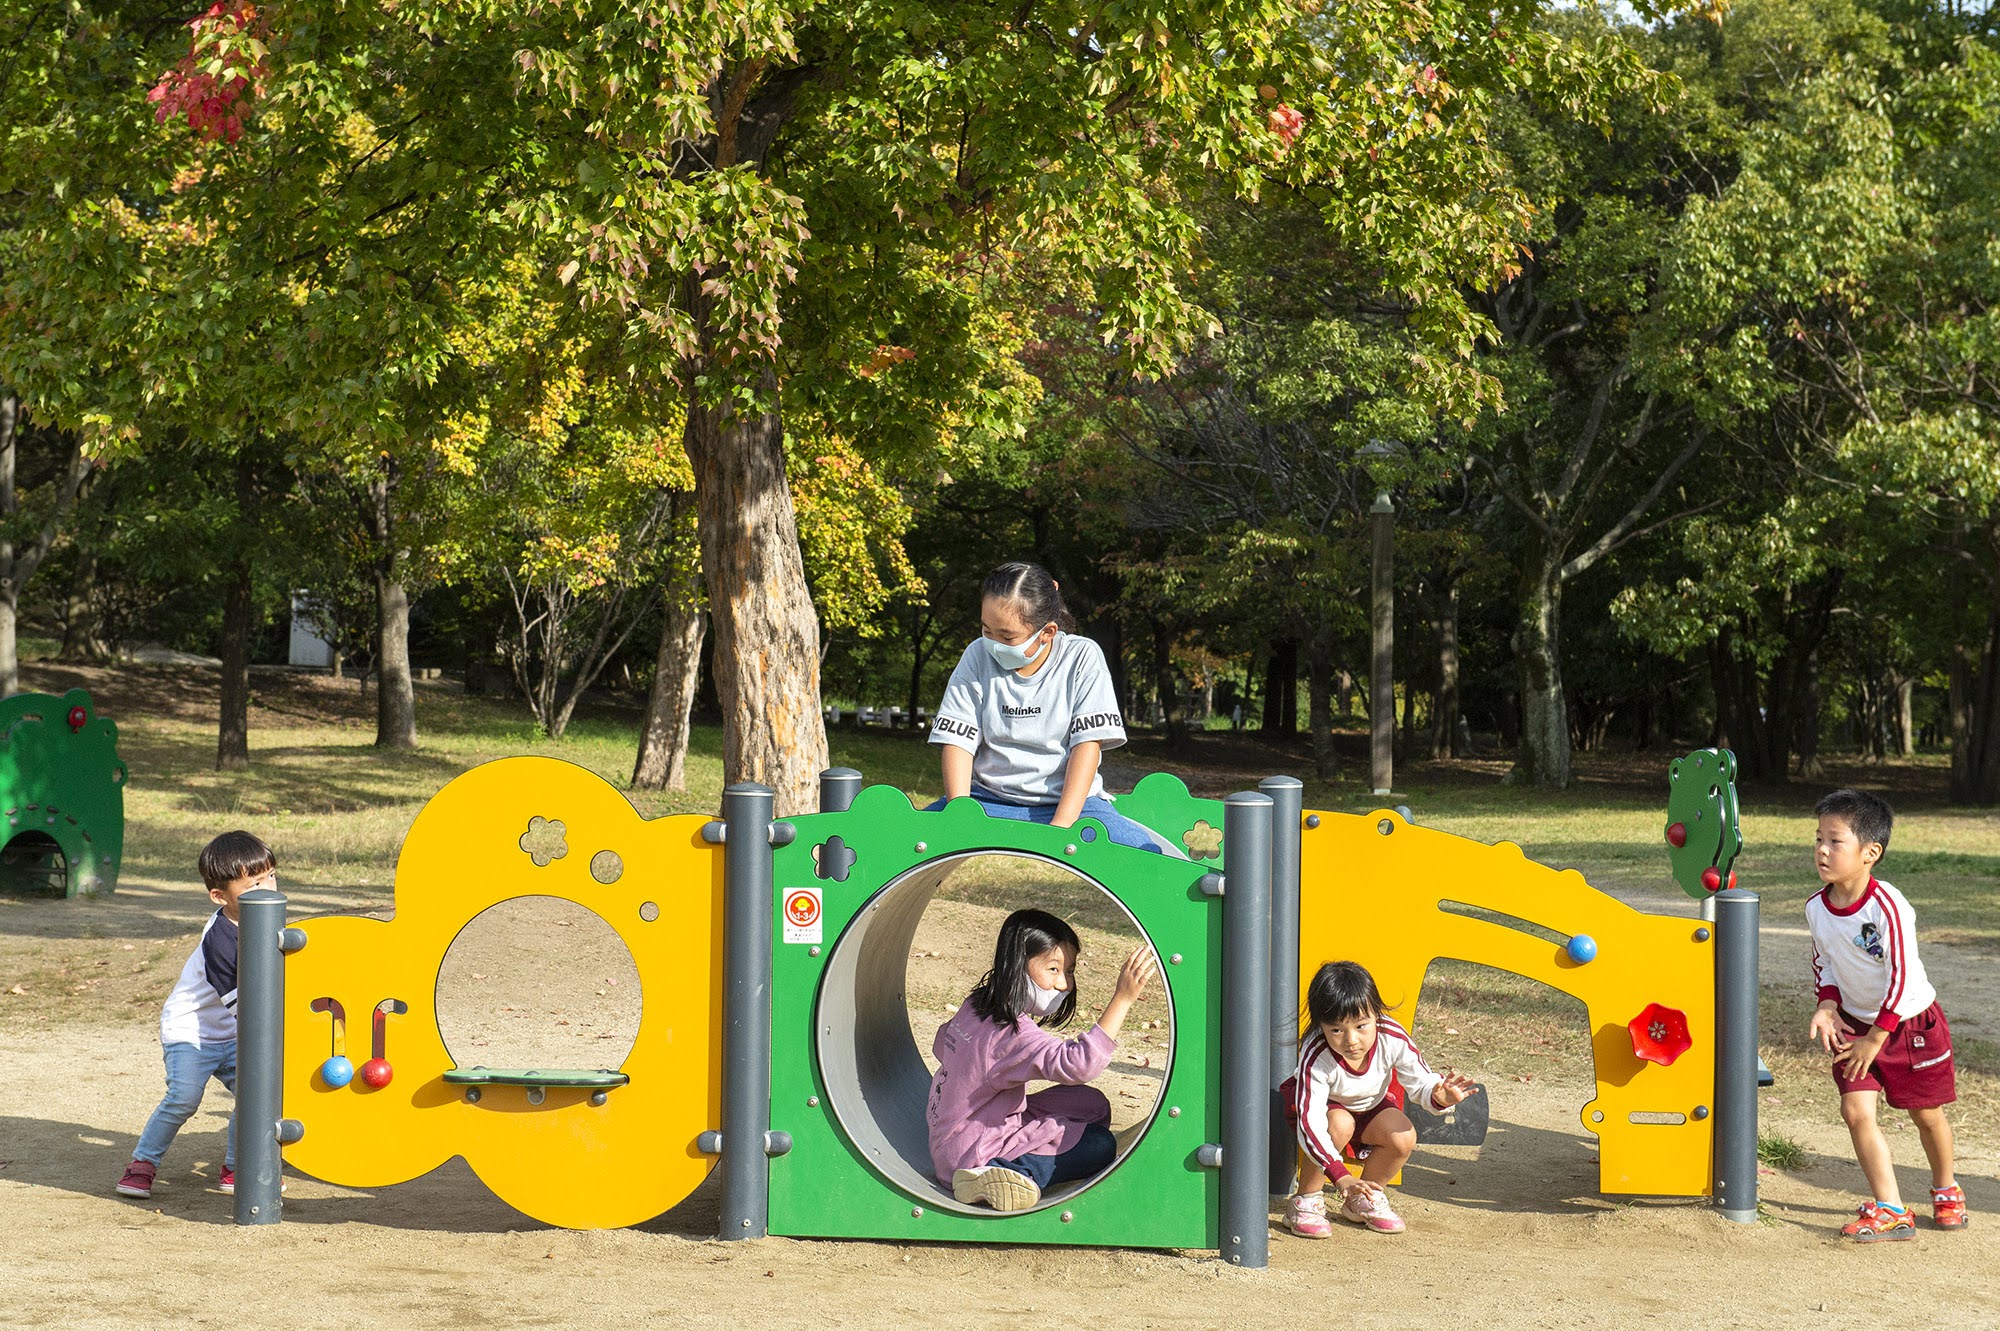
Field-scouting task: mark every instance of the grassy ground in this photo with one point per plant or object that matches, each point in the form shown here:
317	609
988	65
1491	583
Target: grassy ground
336	808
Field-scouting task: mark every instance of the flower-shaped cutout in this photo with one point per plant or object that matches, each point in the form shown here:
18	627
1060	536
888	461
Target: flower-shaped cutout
544	840
1660	1034
833	858
1203	842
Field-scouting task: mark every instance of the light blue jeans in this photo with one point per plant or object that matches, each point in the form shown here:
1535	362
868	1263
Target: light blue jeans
188	1069
1122	830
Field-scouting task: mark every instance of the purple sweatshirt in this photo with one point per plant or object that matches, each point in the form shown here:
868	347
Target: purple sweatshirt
979	1108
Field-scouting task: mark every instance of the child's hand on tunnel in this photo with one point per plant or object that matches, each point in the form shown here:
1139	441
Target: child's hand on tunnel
1455	1087
1137	973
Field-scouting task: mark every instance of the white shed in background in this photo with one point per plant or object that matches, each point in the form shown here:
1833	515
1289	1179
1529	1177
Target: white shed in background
308	647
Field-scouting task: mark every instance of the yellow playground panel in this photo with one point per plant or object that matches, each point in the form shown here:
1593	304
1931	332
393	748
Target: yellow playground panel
581	1148
1396	897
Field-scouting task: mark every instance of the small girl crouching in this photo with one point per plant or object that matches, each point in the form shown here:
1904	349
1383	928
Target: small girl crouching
1339	1095
991	1141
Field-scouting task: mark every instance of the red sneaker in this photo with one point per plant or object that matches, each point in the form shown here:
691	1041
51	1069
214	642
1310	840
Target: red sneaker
138	1180
1948	1208
227	1183
1874	1222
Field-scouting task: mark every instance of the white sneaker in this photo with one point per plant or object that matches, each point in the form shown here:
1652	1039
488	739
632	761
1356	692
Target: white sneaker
999	1187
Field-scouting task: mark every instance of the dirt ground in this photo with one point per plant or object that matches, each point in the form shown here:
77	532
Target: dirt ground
1510	1234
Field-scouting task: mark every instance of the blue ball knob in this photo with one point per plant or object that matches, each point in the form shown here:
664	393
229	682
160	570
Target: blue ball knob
336	1072
1582	948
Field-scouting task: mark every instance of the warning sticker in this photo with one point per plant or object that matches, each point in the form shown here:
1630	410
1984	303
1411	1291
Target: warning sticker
802	915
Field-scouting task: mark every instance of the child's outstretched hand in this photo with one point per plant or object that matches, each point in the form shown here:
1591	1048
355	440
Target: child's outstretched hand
1826	1029
1137	972
1455	1087
1133	976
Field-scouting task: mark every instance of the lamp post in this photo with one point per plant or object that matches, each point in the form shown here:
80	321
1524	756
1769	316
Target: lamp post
1381	680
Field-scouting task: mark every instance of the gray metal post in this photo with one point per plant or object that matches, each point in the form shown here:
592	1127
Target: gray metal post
837	788
260	1056
1736	1054
1287	803
746	1010
1246	1029
1382	671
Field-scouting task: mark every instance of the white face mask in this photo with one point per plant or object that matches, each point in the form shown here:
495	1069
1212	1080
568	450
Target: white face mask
1011	657
1045	1000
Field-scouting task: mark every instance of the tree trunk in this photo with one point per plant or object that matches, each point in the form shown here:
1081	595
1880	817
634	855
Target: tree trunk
1170	695
1444	735
80	641
395	695
1544	760
663	739
1319	708
17	566
10	582
766	630
1906	732
232	742
1975	714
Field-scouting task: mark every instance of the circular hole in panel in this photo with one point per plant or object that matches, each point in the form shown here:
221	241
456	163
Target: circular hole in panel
607	867
907	961
649	911
1386	826
536	982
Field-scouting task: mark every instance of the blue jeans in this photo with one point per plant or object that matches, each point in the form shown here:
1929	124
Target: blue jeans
188	1069
1122	830
1092	1155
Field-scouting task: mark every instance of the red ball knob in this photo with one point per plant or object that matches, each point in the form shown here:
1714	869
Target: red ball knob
377	1072
77	716
1732	879
1677	835
1710	879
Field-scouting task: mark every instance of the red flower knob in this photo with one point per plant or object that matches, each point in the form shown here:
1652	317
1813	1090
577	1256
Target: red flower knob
77	716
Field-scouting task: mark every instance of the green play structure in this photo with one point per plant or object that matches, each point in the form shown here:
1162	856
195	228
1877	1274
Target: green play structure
62	791
848	1080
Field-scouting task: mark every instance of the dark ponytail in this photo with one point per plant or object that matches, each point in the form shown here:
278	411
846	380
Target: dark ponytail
1030	587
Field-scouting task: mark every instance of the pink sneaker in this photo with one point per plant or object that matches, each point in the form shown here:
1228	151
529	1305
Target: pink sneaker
1305	1216
138	1180
1367	1207
227	1183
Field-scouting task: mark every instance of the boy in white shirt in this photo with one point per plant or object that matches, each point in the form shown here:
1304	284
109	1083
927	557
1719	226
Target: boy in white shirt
1878	1012
198	1021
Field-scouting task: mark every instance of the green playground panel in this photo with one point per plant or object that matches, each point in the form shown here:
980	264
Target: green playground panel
61	782
597	1078
1157	1194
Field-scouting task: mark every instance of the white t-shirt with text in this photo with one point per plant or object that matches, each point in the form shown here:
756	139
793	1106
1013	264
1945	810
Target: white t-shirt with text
1019	730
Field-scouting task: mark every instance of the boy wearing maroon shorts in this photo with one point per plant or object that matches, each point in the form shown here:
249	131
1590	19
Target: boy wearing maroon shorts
1878	1014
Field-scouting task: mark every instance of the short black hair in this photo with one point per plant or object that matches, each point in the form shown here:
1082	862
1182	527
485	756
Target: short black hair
1030	587
234	855
1343	991
1867	816
1004	993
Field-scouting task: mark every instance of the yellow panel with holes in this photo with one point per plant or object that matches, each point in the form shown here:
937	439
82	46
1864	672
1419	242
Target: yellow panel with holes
516	828
1392	896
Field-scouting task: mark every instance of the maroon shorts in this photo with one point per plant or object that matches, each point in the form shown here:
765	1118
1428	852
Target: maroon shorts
1914	1069
1356	1148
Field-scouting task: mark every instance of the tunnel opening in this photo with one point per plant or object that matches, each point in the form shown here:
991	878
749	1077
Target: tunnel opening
32	864
907	960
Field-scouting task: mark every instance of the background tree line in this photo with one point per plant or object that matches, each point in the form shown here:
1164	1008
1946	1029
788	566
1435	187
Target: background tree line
611	345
